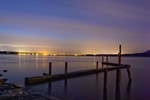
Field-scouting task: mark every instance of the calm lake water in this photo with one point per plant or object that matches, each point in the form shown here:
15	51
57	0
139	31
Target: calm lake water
81	88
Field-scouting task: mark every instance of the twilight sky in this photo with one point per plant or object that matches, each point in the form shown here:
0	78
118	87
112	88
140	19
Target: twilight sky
75	26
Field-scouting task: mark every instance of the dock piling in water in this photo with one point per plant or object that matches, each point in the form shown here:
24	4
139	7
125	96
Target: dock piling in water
102	61
66	67
97	65
129	74
105	78
118	75
50	68
119	55
118	71
107	60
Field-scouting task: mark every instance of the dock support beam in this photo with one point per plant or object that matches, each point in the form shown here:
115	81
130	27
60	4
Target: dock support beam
50	68
66	67
129	74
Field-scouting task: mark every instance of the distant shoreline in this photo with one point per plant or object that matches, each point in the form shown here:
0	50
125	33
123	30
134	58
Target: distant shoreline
124	55
144	54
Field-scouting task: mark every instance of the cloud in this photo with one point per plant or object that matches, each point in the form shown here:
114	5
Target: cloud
118	9
63	26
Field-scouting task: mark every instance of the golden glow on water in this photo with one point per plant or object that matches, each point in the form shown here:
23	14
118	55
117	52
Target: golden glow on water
37	61
44	61
20	61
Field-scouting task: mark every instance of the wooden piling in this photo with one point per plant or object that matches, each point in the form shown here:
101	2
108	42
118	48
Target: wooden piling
119	55
65	83
107	60
102	61
97	65
118	72
129	74
118	96
105	95
66	67
105	78
118	75
50	68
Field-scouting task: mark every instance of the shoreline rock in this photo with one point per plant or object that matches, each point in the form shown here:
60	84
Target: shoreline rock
9	91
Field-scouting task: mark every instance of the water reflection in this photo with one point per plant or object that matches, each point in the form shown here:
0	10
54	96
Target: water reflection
44	61
129	90
105	90
117	92
105	85
65	83
49	87
37	61
84	86
20	61
105	96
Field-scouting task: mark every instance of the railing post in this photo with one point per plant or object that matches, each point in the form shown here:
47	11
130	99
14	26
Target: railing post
50	68
66	67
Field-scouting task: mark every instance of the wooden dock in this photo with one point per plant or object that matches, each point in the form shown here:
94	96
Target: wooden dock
112	66
46	78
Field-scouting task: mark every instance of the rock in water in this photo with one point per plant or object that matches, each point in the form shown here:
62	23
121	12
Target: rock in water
5	71
1	75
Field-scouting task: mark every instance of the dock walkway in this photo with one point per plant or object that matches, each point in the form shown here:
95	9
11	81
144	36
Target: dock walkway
55	77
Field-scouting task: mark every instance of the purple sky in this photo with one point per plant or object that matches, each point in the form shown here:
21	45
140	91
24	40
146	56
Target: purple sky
75	26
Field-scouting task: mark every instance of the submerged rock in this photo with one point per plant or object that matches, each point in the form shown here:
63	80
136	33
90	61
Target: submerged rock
3	80
4	71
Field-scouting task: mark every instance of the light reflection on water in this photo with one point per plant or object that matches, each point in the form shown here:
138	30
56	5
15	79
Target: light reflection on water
82	88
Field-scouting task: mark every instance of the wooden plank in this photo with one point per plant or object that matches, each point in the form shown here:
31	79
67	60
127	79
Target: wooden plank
46	78
113	64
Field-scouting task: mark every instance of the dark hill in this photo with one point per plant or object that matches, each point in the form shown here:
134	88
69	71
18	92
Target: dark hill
143	54
147	52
